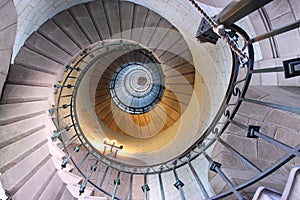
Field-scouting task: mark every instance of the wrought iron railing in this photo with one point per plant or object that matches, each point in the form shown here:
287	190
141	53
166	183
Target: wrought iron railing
70	132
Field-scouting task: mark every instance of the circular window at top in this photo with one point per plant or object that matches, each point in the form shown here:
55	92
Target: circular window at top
136	87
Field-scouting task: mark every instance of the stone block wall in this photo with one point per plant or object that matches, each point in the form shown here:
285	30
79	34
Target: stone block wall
8	28
276	14
280	125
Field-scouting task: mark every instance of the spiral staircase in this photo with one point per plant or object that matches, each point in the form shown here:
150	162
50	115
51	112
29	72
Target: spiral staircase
117	100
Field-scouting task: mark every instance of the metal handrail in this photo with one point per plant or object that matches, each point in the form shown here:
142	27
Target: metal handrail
233	99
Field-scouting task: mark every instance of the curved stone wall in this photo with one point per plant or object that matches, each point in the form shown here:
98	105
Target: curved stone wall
8	29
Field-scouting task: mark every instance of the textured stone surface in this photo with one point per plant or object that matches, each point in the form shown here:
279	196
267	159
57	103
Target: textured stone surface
23	75
82	17
126	11
13	132
8	28
113	17
67	23
254	111
171	11
8	14
40	44
7	37
269	152
276	124
37	61
97	13
5	56
2	80
20	93
15	112
288	136
14	177
284	119
50	30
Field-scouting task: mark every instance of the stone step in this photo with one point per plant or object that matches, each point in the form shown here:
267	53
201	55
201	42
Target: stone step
57	162
98	15
67	195
172	113
179	88
82	17
38	61
183	98
111	9
185	79
126	11
25	76
263	193
55	151
179	46
14	132
40	44
176	69
14	178
10	113
169	40
68	177
54	189
292	187
67	23
15	152
151	24
94	198
171	105
137	182
161	31
139	17
78	157
175	62
72	192
34	187
108	184
24	93
102	103
175	103
56	35
123	189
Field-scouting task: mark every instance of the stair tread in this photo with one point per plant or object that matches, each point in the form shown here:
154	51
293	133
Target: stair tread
97	13
10	113
150	26
161	30
50	30
73	190
263	193
81	15
13	177
17	151
126	11
22	75
113	19
13	132
291	190
37	61
24	93
42	45
52	191
66	22
140	14
169	40
68	177
36	184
